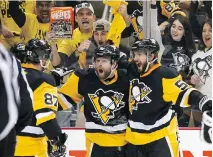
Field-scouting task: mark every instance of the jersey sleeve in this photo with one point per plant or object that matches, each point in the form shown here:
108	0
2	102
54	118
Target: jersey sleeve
69	92
176	91
45	101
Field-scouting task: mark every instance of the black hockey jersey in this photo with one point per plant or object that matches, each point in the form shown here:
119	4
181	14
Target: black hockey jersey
45	105
105	105
150	99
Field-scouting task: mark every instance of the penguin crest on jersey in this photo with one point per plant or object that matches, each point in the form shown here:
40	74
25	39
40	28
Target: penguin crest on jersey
106	104
181	61
202	67
137	22
139	94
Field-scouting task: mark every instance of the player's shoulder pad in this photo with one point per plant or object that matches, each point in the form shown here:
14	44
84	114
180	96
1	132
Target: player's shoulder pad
122	72
48	79
36	78
168	72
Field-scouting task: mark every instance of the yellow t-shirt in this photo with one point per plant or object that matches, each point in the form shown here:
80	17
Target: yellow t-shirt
67	46
33	29
38	30
7	20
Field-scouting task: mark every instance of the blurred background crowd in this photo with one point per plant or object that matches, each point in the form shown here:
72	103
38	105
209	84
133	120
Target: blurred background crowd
183	28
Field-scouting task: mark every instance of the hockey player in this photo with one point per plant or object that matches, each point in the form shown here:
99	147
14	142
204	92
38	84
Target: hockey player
31	141
105	93
153	88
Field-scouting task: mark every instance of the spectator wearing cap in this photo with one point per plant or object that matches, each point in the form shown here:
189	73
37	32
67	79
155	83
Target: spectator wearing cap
84	17
100	29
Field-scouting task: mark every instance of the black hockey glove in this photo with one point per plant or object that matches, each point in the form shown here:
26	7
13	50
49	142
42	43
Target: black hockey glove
206	127
205	104
56	147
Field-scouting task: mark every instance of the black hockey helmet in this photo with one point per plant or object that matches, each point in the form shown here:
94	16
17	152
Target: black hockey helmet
148	45
38	50
108	51
20	52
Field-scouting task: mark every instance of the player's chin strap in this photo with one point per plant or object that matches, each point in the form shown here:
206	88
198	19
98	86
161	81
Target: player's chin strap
111	74
43	66
149	63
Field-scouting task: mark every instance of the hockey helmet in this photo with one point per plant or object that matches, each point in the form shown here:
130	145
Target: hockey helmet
20	52
148	45
38	50
108	51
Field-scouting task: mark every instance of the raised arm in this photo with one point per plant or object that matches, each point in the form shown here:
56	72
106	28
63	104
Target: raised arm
18	16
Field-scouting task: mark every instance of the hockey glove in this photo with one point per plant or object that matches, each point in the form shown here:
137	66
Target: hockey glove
206	127
205	104
59	73
56	147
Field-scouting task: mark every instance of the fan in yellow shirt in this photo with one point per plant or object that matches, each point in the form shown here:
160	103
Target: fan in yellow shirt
85	18
11	31
34	25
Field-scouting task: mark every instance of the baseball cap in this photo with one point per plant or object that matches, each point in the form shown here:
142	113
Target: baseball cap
82	6
101	25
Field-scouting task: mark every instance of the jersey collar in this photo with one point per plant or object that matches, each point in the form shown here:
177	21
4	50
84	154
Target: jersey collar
29	66
151	69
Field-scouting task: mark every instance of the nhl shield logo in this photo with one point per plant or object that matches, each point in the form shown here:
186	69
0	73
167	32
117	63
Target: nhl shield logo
139	94
106	104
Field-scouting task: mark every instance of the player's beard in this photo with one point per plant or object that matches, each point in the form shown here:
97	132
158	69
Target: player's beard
102	74
142	69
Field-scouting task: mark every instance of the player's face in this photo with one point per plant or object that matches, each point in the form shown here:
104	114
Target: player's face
207	35
103	67
100	37
140	59
177	30
43	10
85	19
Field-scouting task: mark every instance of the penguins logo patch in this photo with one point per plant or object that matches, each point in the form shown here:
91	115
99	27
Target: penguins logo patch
181	61
139	94
137	23
106	104
202	67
